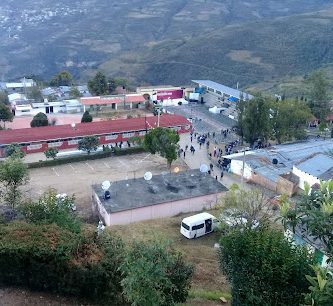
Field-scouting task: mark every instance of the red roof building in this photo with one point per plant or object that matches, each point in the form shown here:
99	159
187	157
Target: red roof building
67	136
113	101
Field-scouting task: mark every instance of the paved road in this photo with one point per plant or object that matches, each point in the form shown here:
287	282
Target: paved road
200	157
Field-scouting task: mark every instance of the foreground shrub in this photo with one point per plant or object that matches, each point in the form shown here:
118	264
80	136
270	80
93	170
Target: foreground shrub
50	258
264	268
155	274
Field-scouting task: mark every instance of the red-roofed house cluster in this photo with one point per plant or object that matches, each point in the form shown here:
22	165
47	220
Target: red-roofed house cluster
40	139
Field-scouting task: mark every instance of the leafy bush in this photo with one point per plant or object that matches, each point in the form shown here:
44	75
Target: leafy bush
14	149
51	153
51	208
39	120
155	274
50	258
264	268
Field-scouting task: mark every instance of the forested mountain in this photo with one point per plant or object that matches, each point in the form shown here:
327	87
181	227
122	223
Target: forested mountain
159	41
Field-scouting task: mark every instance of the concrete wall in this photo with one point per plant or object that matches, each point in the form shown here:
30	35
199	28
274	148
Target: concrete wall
305	177
263	181
286	186
236	167
163	210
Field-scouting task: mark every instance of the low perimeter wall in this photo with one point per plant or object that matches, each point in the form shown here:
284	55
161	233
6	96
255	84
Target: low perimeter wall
162	210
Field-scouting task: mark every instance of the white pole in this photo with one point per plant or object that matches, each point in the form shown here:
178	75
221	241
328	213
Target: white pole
242	177
158	117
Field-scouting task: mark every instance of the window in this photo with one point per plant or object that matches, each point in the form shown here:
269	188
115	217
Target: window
218	92
55	144
128	135
184	225
73	142
110	137
34	147
196	227
210	89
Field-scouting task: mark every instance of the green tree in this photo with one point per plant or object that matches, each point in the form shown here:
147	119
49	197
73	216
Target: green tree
136	140
314	212
52	208
163	141
255	119
39	120
13	174
250	206
321	289
155	274
88	144
35	93
63	78
51	153
116	82
14	149
4	97
74	92
289	119
264	268
319	101
98	85
86	117
5	114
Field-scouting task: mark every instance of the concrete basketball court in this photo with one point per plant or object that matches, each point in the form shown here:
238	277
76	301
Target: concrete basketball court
78	177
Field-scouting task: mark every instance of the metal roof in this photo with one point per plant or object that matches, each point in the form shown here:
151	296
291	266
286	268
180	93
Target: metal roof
225	89
316	165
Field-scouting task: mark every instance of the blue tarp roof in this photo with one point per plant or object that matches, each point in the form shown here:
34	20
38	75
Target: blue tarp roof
233	99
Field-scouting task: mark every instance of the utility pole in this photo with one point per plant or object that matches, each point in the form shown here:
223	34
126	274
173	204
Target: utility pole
242	177
158	117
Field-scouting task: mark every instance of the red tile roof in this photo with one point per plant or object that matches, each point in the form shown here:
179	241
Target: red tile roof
110	100
28	135
100	100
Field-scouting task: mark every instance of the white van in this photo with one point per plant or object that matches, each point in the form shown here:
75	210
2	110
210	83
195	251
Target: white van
198	225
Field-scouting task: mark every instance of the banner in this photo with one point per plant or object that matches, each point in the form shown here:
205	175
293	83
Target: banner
169	94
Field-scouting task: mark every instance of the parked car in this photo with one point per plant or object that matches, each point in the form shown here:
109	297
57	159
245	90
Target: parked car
233	217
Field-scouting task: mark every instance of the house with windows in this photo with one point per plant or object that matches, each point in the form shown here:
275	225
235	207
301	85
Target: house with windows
115	102
39	139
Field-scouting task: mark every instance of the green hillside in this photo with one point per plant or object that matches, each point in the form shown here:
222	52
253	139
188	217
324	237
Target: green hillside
262	52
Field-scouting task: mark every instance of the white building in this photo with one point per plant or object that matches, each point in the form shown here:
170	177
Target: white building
316	168
20	86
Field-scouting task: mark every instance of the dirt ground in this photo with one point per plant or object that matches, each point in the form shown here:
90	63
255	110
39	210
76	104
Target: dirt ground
78	177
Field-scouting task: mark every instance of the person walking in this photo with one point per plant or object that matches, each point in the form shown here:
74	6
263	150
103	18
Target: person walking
184	154
186	147
221	174
200	144
191	138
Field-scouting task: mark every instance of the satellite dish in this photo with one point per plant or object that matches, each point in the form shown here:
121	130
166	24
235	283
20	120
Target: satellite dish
176	170
73	125
106	185
204	168
148	175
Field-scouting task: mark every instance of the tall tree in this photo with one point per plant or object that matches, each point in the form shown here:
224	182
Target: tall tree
13	174
163	141
4	97
5	114
63	78
74	92
39	120
314	212
289	119
88	144
264	268
319	101
98	85
255	119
